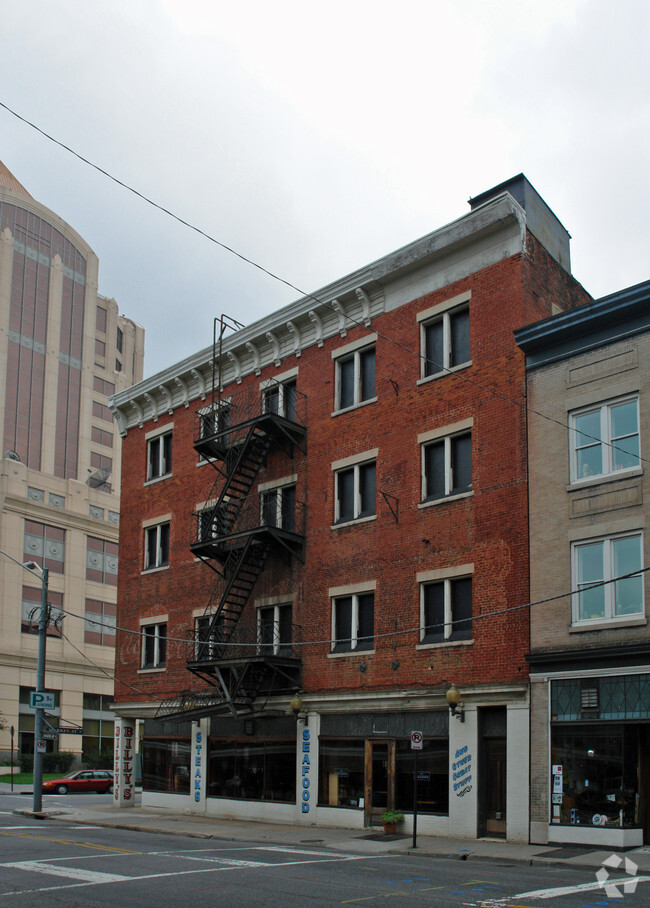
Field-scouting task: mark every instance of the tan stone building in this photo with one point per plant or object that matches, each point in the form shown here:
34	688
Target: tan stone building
64	350
589	657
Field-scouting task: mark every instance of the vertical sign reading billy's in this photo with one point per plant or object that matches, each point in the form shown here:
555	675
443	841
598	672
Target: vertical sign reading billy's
124	768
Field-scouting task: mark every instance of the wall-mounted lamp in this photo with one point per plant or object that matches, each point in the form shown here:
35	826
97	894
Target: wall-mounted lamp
296	703
456	706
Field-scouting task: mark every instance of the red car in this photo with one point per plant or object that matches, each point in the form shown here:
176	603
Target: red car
100	780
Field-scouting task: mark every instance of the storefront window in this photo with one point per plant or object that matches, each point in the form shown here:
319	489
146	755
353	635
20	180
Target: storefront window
253	770
341	773
596	779
433	776
166	764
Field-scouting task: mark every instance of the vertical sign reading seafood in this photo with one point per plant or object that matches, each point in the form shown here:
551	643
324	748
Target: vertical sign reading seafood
124	768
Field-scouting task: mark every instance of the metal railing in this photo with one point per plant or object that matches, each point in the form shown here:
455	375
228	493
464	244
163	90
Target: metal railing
245	644
251	514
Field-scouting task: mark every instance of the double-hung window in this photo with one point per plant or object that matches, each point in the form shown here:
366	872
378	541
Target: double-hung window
154	645
280	397
274	628
353	622
447	467
444	337
159	456
355	374
604	579
355	491
605	439
156	546
278	507
446	610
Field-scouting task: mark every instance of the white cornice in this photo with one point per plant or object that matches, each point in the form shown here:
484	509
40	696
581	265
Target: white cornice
353	300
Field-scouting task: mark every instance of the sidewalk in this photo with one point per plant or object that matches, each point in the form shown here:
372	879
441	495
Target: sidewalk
369	841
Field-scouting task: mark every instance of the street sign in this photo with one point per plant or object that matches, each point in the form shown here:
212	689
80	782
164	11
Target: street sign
416	740
424	777
41	700
70	731
50	735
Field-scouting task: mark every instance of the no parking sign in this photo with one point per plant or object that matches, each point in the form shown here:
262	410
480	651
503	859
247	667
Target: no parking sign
416	740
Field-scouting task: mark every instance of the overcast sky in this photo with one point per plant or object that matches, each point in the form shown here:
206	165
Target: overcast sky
315	138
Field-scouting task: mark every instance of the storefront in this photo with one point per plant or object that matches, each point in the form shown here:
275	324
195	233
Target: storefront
599	761
345	768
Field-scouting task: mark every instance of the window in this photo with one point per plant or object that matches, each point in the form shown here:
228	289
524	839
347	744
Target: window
103	387
280	398
100	411
447	466
100	347
159	456
600	562
353	622
605	439
154	645
355	492
45	545
207	637
102	436
101	561
98	730
445	342
278	508
214	420
446	610
31	612
118	365
101	319
355	378
119	340
101	467
274	626
100	622
156	546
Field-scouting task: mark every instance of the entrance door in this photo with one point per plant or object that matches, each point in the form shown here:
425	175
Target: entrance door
379	780
494	786
644	783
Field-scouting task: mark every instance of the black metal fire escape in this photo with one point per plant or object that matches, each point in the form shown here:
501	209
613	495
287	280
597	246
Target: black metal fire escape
235	534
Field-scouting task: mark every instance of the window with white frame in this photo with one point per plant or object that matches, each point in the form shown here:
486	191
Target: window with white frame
159	456
447	466
446	610
154	645
605	583
156	546
280	397
278	507
355	492
208	634
605	439
445	341
353	622
274	629
355	378
215	419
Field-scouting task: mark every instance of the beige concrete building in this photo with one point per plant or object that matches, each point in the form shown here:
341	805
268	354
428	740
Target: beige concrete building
589	655
64	350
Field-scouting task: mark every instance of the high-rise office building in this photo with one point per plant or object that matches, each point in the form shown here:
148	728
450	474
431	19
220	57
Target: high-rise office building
64	350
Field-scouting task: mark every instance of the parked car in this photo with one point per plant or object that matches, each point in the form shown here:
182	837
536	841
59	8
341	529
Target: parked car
100	780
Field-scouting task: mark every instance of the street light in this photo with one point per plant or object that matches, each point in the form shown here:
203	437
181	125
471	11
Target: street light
43	622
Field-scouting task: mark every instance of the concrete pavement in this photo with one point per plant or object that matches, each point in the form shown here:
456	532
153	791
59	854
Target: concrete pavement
369	841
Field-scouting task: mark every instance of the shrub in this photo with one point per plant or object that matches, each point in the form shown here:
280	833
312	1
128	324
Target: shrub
392	816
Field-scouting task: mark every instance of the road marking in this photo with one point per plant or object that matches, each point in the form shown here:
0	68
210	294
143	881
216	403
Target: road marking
557	892
74	873
44	838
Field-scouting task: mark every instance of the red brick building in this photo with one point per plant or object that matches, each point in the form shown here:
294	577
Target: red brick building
324	529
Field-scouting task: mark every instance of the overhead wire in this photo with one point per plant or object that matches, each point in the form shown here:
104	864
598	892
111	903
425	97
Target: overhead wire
307	295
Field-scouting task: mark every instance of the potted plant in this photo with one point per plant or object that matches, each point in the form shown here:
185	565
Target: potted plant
391	819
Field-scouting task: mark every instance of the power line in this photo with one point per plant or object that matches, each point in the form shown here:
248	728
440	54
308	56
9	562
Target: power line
356	322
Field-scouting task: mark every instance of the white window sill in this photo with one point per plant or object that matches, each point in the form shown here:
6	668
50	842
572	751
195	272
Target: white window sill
436	501
603	478
427	378
354	522
147	671
608	624
154	570
152	482
351	652
363	403
444	643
